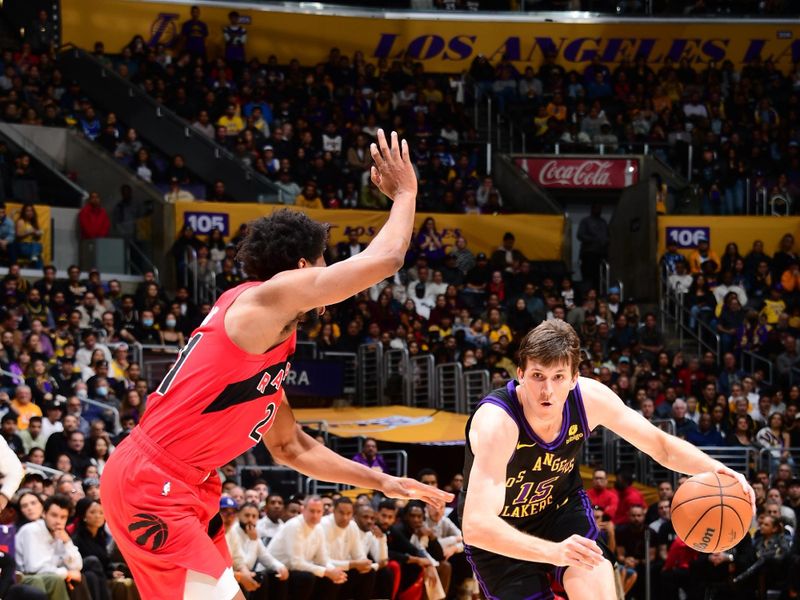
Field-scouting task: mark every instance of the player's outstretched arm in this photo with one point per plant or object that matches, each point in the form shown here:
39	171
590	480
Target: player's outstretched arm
303	289
493	438
604	407
290	445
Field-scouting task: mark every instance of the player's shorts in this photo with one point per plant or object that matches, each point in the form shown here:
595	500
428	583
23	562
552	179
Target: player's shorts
158	509
503	578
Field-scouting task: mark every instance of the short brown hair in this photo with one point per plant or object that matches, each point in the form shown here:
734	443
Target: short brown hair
551	343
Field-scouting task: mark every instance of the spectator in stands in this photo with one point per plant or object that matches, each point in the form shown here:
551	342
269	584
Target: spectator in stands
8	429
370	457
176	193
194	33
702	255
374	542
300	545
272	521
29	236
600	495
414	565
594	238
91	539
93	219
261	569
45	553
347	551
235	37
7	236
23	406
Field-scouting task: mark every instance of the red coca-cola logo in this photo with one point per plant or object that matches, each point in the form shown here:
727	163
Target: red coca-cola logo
581	173
590	173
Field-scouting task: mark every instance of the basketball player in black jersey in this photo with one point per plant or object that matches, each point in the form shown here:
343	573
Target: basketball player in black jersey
524	512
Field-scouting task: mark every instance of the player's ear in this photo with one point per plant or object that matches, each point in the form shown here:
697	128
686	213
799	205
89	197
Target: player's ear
574	381
520	373
303	263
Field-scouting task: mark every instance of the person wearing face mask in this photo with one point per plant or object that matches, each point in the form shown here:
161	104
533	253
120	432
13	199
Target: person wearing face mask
147	332
170	336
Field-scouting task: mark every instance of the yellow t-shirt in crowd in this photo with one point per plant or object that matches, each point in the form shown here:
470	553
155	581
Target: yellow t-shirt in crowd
25	413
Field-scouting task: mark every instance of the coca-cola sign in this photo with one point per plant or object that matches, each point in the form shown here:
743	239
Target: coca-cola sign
581	173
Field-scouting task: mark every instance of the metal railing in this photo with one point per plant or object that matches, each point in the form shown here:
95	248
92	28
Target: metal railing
131	245
770	459
739	459
477	384
350	363
396	463
450	387
368	382
395	377
106	408
321	427
305	350
752	362
423	381
605	280
289	477
44	471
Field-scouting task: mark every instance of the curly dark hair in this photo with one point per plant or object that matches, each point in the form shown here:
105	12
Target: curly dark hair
277	242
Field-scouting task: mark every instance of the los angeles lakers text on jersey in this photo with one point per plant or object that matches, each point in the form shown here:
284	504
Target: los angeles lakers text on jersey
540	475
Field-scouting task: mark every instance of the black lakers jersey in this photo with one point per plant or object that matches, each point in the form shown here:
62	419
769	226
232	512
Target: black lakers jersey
539	476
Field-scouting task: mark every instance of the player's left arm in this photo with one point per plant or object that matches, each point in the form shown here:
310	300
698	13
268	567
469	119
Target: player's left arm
604	407
290	445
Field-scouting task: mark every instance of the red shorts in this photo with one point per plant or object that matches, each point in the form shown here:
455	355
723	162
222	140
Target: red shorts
158	509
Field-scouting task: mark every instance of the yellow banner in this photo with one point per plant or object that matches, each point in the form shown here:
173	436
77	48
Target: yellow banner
539	237
400	424
43	217
445	43
721	230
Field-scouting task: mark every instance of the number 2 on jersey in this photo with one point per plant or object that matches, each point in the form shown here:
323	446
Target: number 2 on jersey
263	425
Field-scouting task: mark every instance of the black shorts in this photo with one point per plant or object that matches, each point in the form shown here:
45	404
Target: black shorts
503	578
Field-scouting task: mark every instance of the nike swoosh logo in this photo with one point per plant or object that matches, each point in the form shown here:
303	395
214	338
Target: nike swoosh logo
519	446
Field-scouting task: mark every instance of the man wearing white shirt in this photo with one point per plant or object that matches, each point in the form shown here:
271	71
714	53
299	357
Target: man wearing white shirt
446	532
347	552
51	422
263	569
45	553
300	545
374	542
269	525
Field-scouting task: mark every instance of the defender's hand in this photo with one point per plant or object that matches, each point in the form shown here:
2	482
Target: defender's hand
392	172
410	489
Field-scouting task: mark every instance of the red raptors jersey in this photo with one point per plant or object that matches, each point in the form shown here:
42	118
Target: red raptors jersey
217	400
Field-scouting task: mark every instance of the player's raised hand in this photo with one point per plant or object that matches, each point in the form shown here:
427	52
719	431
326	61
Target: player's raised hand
392	172
410	489
577	551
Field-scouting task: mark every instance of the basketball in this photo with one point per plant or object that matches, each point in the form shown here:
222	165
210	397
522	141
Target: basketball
711	512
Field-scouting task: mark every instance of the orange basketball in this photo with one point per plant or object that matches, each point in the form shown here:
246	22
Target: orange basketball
711	512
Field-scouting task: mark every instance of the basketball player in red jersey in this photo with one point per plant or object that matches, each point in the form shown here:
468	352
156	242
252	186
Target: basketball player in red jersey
160	488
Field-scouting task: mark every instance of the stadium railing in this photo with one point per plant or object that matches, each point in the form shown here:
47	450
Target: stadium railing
106	408
423	381
752	362
450	388
351	369
396	463
42	470
277	476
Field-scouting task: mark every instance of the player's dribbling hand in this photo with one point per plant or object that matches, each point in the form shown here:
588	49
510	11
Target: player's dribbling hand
405	488
577	551
282	573
393	172
748	489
